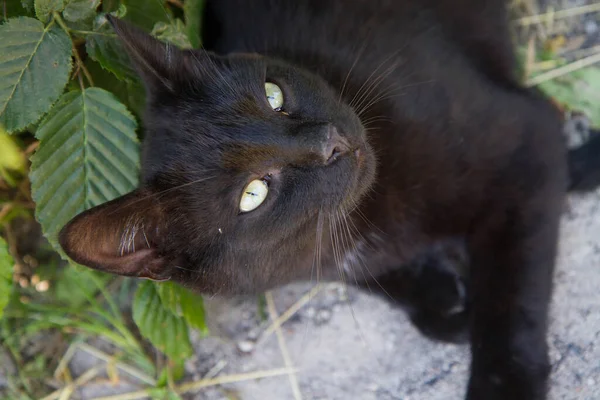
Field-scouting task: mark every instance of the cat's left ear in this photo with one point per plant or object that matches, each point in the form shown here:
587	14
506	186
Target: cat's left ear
159	64
121	237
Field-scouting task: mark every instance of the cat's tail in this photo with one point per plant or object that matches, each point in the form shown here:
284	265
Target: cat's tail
584	165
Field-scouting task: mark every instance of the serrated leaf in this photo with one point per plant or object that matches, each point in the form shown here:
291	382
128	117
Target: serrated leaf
104	47
44	8
88	155
6	268
173	33
192	309
80	10
131	91
35	62
169	296
146	13
183	303
75	284
166	331
192	10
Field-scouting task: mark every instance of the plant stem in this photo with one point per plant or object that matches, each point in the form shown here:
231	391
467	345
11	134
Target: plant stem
65	28
93	33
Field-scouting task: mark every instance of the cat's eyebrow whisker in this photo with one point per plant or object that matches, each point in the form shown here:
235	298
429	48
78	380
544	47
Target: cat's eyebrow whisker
360	52
367	81
373	85
390	93
374	119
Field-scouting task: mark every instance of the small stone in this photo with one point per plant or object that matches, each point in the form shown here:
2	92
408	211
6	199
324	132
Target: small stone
591	382
591	27
253	334
310	312
245	346
323	316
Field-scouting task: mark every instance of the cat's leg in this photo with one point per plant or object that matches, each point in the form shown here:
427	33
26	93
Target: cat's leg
512	253
433	290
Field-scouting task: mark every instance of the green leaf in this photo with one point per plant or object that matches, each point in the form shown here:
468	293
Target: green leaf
177	370
75	284
192	10
182	302
173	32
146	13
169	296
130	92
104	47
88	155
11	157
166	331
6	267
579	91
44	8
34	68
80	10
163	394
192	309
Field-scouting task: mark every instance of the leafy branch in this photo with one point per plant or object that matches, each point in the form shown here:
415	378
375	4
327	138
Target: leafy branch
69	95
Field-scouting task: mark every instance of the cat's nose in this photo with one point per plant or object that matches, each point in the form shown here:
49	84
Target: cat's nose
334	146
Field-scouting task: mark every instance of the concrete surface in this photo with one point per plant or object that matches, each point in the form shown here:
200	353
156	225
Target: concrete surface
361	349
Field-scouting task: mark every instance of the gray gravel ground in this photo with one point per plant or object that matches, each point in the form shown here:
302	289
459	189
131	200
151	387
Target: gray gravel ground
361	348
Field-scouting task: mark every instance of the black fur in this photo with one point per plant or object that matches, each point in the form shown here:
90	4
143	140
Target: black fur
448	198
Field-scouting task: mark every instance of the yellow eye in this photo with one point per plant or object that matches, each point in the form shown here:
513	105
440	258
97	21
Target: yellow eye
274	95
254	195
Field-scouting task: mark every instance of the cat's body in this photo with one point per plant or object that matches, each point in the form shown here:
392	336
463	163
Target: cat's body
469	186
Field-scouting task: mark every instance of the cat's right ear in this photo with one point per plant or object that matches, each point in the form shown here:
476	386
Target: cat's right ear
121	236
159	64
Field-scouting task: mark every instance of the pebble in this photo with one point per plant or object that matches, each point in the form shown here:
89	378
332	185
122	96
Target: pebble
591	27
591	382
245	346
322	316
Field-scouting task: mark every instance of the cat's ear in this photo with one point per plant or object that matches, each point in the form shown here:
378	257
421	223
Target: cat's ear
120	237
158	63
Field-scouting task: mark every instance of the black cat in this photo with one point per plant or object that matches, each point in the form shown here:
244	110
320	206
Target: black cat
387	142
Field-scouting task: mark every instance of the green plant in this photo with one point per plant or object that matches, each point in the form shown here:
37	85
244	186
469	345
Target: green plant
69	95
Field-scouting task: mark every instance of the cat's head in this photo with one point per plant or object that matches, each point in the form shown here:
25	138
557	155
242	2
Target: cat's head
241	155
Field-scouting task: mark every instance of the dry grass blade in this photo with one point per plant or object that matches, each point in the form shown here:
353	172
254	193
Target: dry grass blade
554	15
289	313
282	346
565	69
123	367
193	386
84	378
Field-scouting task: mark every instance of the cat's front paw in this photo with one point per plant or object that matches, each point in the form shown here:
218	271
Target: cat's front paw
440	306
510	380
